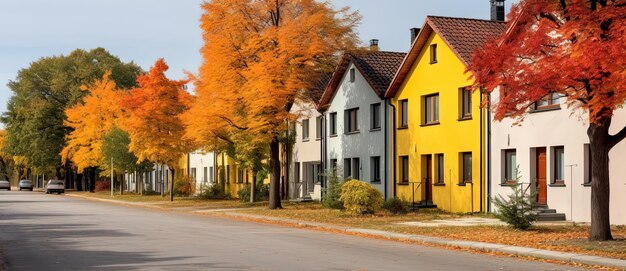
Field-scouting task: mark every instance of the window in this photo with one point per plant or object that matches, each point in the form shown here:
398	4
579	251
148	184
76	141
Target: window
404	113
587	151
549	101
440	168
404	167
431	109
228	174
510	166
318	127
559	165
352	75
433	53
466	167
351	120
305	130
333	165
193	174
211	176
240	175
346	168
333	123
375	169
375	111
296	173
205	174
356	168
466	103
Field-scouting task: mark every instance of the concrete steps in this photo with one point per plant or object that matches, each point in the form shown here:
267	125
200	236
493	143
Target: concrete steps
547	214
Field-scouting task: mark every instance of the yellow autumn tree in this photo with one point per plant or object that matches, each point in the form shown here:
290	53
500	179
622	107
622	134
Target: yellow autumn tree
257	56
90	120
153	123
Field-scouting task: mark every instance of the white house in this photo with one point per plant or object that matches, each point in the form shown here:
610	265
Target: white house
356	117
202	167
156	180
550	151
305	170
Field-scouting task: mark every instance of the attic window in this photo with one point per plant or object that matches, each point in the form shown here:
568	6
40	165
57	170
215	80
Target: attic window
352	75
433	53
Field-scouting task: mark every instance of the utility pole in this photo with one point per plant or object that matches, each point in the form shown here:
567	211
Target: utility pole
112	184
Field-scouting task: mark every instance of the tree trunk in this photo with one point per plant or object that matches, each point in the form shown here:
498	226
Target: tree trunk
223	174
253	186
5	171
599	142
92	179
275	175
172	184
122	181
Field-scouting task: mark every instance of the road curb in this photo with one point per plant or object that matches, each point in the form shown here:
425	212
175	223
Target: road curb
481	246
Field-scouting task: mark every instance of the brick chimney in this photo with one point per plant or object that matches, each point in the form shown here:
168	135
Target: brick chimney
414	32
497	10
373	45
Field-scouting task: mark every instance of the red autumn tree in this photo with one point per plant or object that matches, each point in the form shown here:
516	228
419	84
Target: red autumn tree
574	48
152	122
257	55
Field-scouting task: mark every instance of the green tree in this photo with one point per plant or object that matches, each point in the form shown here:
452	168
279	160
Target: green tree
35	114
115	148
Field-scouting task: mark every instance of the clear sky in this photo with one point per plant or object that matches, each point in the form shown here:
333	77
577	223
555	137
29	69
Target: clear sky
144	30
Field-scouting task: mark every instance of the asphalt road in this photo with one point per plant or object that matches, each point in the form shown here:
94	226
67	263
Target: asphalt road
52	232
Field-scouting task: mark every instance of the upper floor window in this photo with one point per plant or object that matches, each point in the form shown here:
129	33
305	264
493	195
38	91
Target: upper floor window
466	103
319	123
305	130
549	101
375	118
404	113
352	75
433	53
351	120
431	109
333	123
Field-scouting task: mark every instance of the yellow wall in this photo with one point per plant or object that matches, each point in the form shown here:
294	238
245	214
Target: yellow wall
450	137
232	184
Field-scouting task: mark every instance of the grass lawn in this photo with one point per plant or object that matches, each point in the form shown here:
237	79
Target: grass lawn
566	237
179	202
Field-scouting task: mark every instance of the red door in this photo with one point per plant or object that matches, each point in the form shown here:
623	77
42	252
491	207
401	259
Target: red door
542	189
429	178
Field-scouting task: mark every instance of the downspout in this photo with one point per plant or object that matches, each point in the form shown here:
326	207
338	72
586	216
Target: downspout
482	179
488	155
393	139
322	152
386	160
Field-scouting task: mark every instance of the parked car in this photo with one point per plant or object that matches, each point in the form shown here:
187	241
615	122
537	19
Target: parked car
55	186
5	185
26	185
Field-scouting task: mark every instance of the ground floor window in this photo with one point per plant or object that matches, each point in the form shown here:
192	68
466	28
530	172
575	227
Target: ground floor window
439	168
404	169
510	166
559	165
375	169
466	167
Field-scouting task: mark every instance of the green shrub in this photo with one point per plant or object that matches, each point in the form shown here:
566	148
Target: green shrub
262	193
395	206
214	191
519	209
150	192
360	197
332	195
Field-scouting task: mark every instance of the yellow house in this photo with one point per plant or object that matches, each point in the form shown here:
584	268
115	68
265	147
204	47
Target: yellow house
439	137
235	176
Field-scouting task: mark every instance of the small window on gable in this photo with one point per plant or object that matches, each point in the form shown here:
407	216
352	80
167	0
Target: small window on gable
404	113
375	118
319	123
352	75
550	101
333	123
305	130
433	53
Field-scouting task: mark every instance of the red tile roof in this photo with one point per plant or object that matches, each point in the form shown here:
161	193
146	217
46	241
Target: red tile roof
378	68
462	35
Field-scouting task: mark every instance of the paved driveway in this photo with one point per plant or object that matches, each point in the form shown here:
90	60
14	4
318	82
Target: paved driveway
51	232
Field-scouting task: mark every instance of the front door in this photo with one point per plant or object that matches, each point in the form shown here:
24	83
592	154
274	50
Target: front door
429	178
542	189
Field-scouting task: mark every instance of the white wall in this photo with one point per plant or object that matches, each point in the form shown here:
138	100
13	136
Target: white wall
559	128
201	162
364	144
305	152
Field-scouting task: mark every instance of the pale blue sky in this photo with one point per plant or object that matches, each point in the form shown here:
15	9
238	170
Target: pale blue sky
144	30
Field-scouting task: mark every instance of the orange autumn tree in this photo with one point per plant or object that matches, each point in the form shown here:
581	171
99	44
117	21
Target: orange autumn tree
152	122
257	55
90	120
574	48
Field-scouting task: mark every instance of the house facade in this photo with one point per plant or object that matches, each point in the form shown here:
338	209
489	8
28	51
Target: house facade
202	167
355	140
549	152
439	140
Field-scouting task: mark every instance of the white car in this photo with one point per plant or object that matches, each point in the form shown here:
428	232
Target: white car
26	185
55	186
5	185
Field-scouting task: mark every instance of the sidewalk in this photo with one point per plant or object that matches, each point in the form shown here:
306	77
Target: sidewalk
480	246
